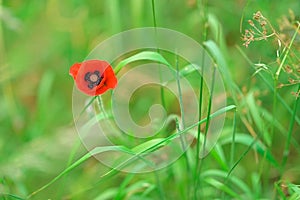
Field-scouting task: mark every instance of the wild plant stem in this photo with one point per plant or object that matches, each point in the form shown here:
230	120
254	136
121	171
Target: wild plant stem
289	136
270	86
101	106
162	96
274	109
242	156
209	109
202	6
153	13
182	137
286	53
162	92
206	126
233	139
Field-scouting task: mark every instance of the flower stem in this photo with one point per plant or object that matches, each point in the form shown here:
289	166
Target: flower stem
289	136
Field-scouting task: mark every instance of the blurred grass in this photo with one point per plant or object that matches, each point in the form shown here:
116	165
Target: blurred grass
39	40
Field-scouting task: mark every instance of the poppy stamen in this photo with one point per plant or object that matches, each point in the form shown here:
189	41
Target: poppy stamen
93	79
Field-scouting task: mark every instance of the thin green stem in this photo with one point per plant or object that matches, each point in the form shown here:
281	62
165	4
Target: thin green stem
182	138
269	85
84	109
206	127
180	101
11	196
209	109
276	77
233	139
115	170
199	130
240	159
202	6
274	109
159	186
286	53
153	13
162	92
289	136
101	106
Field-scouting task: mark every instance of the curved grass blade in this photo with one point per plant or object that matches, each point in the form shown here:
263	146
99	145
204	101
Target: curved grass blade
258	146
145	55
235	182
270	86
93	152
143	148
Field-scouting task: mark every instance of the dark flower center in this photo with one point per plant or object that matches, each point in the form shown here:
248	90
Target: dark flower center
93	79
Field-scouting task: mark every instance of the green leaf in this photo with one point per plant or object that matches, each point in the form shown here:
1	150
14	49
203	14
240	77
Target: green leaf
143	148
256	116
259	146
221	186
218	154
151	145
145	55
188	70
235	182
93	152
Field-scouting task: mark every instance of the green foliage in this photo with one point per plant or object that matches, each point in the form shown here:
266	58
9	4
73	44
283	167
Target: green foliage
257	154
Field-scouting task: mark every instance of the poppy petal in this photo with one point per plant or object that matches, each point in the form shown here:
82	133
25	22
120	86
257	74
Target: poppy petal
93	77
74	70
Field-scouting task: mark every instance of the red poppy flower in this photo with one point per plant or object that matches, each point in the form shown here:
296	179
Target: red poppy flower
93	77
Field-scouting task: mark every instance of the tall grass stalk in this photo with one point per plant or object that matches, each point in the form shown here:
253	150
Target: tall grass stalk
162	96
162	92
180	104
199	168
114	8
276	77
204	36
270	86
101	106
209	109
241	158
202	9
135	155
233	139
182	121
289	136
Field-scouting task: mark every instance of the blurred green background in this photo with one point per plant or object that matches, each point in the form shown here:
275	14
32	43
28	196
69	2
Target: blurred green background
41	39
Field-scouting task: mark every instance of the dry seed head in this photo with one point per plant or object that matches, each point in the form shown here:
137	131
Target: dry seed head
296	94
292	81
251	22
257	15
280	85
288	69
264	33
263	23
259	102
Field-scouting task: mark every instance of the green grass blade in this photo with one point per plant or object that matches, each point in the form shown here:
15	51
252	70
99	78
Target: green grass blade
219	155
232	150
249	141
143	148
95	151
145	55
256	116
233	181
264	79
11	197
222	187
289	136
286	53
